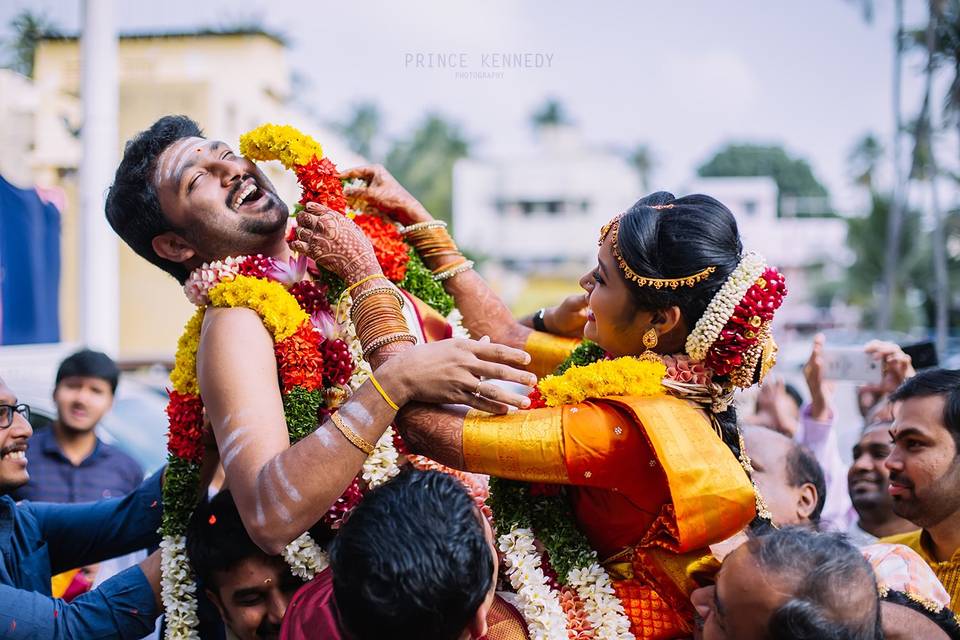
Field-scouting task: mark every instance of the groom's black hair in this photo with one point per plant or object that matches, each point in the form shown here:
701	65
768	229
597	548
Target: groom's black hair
133	208
412	560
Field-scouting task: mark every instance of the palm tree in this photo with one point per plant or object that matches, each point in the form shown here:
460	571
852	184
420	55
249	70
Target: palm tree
924	167
864	159
895	219
28	28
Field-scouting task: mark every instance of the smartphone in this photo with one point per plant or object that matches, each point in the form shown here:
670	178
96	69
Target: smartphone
851	363
922	354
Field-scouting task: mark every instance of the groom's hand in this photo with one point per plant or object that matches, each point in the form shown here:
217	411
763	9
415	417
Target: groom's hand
382	191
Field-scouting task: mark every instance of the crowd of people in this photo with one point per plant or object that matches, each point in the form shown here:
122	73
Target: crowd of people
623	497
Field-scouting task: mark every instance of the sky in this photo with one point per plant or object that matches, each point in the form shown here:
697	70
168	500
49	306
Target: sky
683	78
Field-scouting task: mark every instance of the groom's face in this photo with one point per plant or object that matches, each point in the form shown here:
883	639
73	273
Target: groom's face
220	204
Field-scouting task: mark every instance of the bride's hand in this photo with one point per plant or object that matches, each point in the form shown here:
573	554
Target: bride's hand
383	192
335	243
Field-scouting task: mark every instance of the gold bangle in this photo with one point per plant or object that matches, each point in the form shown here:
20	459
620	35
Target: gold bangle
351	435
420	226
387	339
371	292
393	405
462	267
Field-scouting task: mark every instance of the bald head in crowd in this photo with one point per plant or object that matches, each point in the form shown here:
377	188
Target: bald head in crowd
788	475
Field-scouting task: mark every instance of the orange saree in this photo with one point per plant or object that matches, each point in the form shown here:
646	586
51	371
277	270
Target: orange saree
650	483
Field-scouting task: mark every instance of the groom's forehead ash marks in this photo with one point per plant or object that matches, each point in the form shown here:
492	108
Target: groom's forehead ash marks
179	157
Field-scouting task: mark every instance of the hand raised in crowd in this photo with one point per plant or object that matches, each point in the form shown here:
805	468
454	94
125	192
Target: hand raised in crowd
383	192
569	317
775	408
897	367
335	243
459	372
820	390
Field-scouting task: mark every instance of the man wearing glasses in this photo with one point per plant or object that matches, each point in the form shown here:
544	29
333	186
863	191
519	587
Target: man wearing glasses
40	539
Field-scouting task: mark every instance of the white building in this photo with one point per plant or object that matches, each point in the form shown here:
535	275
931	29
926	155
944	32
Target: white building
542	209
798	247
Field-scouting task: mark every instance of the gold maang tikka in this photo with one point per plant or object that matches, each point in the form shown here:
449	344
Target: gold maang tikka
613	227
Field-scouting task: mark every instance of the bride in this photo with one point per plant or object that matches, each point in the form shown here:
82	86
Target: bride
634	441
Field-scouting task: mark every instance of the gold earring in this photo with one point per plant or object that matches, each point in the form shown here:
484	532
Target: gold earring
650	340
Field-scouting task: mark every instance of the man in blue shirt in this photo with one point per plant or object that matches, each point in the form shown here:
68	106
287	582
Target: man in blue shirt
69	463
37	540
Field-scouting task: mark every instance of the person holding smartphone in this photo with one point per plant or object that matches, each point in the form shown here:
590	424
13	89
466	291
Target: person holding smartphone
857	501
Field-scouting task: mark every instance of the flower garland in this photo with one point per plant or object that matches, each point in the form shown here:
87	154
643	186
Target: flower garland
319	358
732	333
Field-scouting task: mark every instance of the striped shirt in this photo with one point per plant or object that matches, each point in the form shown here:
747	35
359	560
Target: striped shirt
107	472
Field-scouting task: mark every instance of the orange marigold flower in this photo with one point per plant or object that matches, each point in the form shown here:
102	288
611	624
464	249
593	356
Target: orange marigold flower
392	252
299	360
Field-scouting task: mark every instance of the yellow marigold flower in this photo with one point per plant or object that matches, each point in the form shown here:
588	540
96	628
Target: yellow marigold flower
280	311
280	142
621	377
184	374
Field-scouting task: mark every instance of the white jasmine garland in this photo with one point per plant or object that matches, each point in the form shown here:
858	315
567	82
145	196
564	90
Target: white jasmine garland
600	602
721	307
178	590
539	604
455	320
305	557
381	465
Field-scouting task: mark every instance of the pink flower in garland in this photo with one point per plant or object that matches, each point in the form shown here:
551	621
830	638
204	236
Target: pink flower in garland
683	369
287	273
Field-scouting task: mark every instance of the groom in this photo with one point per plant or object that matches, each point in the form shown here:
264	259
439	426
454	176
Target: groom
180	200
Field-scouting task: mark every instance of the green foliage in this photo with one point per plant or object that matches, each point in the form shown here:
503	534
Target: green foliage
866	237
300	407
28	28
362	128
419	281
423	164
793	176
554	525
551	112
586	352
181	492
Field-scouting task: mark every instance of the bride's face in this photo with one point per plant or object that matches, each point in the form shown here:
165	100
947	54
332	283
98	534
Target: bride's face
613	320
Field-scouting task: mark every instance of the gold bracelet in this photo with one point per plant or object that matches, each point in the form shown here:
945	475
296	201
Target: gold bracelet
388	339
370	292
422	225
393	405
455	270
351	435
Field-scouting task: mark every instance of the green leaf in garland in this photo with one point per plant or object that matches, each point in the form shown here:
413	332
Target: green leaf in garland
419	281
554	525
300	406
508	502
587	352
181	492
335	286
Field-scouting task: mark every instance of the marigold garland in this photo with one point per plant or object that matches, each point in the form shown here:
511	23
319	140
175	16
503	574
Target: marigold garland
625	376
279	142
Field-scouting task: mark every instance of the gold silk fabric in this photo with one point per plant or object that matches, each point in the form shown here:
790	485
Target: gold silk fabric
547	351
650	483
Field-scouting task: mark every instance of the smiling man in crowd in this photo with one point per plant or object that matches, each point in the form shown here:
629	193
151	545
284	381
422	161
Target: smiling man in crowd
925	471
39	539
